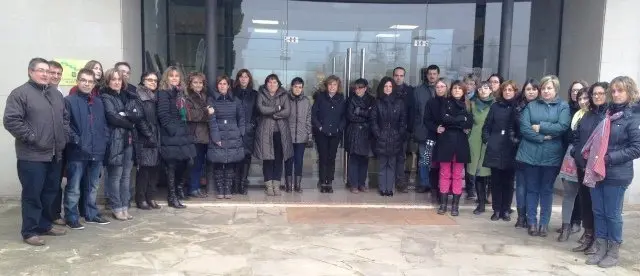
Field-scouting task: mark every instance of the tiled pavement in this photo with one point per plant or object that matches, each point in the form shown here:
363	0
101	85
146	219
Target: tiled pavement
242	238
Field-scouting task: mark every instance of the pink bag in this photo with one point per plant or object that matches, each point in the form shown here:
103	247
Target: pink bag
568	171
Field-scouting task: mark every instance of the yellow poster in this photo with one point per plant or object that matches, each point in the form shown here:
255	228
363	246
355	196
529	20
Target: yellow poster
70	68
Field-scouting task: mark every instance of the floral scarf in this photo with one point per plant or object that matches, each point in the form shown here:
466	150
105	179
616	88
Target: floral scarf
181	104
595	150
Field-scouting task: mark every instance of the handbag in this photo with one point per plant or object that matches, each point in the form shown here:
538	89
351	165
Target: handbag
568	170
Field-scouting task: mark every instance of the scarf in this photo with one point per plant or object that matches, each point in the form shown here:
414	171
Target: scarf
595	150
181	104
576	118
482	104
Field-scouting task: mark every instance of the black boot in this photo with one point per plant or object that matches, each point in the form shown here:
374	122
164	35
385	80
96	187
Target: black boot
180	191
172	198
565	232
330	186
520	221
211	182
587	242
480	187
288	183
455	205
470	186
245	178
444	200
487	182
297	181
324	186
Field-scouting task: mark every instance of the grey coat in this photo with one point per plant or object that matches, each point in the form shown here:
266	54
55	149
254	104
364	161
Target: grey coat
274	114
421	95
300	119
35	115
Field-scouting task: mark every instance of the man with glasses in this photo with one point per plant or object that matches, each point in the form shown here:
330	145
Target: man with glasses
422	94
405	92
85	151
55	74
34	114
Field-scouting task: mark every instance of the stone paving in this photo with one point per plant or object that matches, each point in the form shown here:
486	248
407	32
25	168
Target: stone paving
275	240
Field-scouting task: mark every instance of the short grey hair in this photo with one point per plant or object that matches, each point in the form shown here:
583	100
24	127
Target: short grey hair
35	61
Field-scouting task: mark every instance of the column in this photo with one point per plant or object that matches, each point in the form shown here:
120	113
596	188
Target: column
211	36
506	25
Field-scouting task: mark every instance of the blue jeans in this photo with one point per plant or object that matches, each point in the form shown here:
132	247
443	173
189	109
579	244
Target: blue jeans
39	182
424	162
118	182
539	181
294	164
88	173
521	189
607	199
198	166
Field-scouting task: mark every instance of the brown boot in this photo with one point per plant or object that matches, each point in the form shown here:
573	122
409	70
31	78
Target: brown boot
35	241
55	232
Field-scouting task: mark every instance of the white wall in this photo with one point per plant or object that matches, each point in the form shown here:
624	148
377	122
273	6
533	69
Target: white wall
74	29
621	56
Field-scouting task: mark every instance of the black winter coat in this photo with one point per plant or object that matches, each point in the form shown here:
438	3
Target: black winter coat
146	135
227	127
248	98
624	143
176	142
454	141
405	92
120	127
388	124
358	134
433	117
585	127
498	134
328	114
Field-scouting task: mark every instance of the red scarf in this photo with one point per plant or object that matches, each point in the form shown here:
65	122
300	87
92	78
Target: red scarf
595	150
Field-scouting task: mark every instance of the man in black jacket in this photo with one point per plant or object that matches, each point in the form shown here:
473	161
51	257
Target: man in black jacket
35	116
404	92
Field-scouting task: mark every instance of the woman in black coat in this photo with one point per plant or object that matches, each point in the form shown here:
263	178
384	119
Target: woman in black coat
243	90
389	126
119	155
453	145
177	148
433	119
498	134
597	110
358	135
328	121
226	148
147	140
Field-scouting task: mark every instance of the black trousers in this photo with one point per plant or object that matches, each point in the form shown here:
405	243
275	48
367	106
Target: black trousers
502	190
146	183
272	169
586	210
357	170
576	214
180	170
327	150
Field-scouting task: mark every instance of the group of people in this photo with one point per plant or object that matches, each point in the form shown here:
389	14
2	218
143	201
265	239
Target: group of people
478	136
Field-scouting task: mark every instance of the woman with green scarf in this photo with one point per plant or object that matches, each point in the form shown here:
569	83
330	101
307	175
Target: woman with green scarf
476	174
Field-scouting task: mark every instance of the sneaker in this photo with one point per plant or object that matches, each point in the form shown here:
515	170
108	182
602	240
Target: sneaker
59	222
75	225
98	220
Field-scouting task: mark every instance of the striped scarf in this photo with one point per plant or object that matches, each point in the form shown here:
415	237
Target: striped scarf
595	150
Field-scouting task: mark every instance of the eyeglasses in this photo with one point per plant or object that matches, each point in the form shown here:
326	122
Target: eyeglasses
40	70
86	81
151	80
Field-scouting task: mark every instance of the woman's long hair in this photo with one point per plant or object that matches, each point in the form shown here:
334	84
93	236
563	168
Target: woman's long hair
383	81
164	83
236	83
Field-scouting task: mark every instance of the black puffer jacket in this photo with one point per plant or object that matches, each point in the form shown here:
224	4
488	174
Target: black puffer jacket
327	114
227	127
176	142
120	127
624	143
388	124
499	136
454	141
146	134
248	99
358	134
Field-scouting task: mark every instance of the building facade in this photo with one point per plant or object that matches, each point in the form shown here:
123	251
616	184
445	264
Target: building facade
575	39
